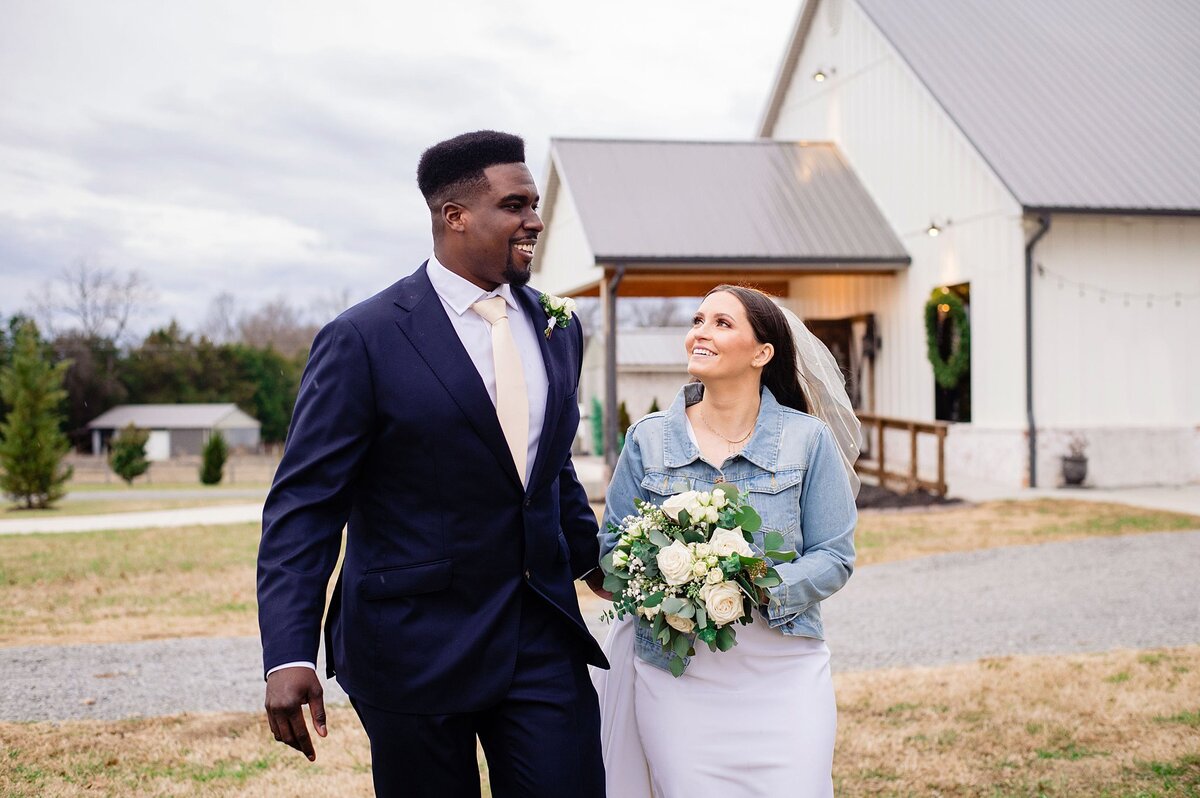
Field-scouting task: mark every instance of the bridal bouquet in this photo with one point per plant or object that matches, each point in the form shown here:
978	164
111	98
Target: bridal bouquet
686	570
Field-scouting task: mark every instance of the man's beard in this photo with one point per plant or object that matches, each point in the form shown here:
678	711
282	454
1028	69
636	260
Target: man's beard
514	275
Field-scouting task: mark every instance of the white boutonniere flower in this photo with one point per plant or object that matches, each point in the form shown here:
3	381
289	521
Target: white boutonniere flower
558	311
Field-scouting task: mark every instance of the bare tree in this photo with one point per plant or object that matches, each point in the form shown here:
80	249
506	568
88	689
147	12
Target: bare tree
657	312
95	301
328	307
221	324
277	324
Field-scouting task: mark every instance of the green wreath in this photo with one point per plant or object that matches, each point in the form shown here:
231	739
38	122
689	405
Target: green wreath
948	373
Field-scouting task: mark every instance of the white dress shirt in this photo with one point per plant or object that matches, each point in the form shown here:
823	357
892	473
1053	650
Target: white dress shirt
457	294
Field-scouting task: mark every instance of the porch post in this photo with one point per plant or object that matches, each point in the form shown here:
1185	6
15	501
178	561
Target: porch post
608	299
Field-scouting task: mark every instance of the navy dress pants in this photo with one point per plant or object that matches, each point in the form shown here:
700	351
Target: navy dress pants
541	741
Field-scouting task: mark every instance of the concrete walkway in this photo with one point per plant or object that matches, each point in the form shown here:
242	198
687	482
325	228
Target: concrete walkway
189	516
1136	591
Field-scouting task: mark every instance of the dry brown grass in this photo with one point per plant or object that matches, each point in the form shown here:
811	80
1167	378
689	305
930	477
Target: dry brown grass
128	585
1117	724
888	535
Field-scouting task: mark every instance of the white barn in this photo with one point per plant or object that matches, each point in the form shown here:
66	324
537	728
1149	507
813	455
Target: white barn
1039	159
178	430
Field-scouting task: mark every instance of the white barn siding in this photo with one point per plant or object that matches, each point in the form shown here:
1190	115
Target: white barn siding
919	167
565	261
1126	376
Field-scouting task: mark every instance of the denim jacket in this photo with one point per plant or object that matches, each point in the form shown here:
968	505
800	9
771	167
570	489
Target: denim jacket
790	472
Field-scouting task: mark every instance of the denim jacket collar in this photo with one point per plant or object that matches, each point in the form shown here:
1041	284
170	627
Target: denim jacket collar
762	449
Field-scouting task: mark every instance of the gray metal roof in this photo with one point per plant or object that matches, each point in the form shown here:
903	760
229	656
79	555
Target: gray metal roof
1079	104
180	416
746	201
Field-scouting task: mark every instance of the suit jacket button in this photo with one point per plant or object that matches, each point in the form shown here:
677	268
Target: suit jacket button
526	574
528	502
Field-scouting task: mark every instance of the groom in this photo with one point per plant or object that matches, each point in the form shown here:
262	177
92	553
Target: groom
436	419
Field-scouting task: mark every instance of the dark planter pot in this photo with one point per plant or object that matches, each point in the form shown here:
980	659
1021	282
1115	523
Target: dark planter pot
1074	470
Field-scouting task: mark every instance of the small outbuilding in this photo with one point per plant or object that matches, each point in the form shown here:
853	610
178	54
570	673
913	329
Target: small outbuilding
179	429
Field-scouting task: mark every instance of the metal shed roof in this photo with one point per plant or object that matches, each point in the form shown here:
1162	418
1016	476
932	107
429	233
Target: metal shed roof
1076	104
767	201
179	416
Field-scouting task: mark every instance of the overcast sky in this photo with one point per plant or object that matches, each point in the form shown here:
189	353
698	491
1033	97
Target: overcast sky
269	148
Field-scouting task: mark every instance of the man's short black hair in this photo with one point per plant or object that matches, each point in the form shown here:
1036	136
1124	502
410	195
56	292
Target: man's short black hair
459	162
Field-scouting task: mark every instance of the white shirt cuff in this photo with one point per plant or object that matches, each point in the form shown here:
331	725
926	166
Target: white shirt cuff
293	665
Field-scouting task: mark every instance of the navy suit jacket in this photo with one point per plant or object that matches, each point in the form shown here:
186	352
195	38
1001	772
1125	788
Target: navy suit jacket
395	435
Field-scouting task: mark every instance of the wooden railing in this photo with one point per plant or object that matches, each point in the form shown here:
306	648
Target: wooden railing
874	444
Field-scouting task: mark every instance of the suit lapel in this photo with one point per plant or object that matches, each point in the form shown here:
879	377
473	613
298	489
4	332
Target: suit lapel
425	324
554	357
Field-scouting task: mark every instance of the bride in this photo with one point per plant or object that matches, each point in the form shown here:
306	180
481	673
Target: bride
768	414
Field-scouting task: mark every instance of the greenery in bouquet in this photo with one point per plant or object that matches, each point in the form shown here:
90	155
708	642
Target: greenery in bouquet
687	569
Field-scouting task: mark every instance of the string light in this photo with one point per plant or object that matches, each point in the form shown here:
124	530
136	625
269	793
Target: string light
1101	293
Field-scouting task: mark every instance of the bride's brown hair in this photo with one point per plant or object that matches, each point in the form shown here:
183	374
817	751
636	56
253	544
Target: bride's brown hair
770	327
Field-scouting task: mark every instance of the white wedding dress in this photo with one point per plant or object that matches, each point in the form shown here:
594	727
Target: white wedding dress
757	720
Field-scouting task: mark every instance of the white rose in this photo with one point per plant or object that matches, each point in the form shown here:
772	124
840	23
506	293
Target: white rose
703	549
649	612
723	603
569	306
620	559
729	541
680	501
675	563
699	568
711	515
684	625
719	499
715	575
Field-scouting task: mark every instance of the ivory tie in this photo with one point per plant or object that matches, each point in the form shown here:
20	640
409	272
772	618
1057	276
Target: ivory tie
512	398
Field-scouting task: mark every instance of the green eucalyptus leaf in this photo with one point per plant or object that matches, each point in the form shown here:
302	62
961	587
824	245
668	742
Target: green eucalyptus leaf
726	638
687	611
606	562
701	618
748	519
677	665
770	580
782	556
773	540
672	605
659	539
681	645
654	599
614	583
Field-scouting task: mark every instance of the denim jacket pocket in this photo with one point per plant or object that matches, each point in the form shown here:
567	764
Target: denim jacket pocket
776	498
664	484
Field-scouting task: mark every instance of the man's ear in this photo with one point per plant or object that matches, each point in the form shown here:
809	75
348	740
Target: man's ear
763	356
454	215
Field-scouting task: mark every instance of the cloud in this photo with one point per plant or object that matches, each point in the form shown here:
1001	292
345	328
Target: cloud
265	146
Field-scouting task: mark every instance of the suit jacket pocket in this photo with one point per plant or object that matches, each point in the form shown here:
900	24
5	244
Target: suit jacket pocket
405	580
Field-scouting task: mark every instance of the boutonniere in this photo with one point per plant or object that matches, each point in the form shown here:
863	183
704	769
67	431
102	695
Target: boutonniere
558	311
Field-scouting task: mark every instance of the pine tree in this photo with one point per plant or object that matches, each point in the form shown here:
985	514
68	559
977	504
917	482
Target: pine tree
32	445
214	455
597	428
127	453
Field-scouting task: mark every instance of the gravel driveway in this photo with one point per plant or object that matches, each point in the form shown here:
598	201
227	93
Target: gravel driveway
1137	591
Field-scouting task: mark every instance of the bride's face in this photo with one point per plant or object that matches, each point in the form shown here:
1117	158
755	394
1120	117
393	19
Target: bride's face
721	344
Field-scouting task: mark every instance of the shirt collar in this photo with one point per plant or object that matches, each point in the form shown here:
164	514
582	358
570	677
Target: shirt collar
460	293
762	449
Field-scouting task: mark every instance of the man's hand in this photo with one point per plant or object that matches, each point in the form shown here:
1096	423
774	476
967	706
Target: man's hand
595	580
287	691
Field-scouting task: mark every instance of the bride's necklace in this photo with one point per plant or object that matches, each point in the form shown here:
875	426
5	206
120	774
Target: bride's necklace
731	442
